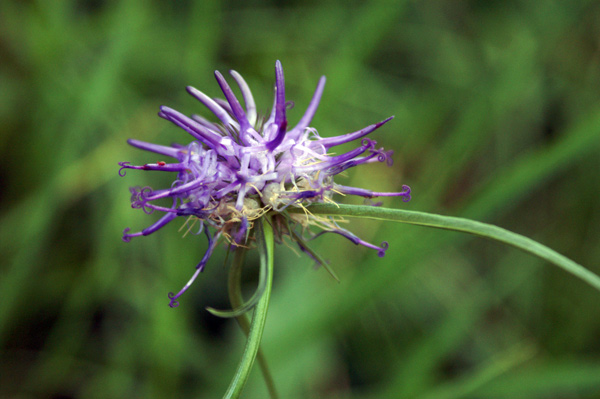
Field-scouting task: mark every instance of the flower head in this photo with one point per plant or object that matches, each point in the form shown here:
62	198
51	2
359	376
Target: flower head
244	166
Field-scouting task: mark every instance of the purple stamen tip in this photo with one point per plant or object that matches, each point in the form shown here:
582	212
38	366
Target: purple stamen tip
368	143
384	247
406	193
123	165
127	237
173	303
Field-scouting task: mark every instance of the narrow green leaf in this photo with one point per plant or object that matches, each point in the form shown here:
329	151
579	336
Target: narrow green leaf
265	240
235	296
245	307
462	225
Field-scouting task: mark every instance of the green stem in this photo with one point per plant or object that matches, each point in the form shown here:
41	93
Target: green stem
462	225
235	296
265	241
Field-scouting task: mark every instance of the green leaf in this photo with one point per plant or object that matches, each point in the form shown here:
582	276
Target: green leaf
462	225
265	240
245	307
235	296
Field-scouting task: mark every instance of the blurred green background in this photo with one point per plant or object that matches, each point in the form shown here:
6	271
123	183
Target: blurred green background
497	107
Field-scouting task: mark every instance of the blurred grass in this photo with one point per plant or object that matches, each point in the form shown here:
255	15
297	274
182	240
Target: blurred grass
497	118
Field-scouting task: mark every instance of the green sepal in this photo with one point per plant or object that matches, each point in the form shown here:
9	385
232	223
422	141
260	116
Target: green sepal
315	256
304	245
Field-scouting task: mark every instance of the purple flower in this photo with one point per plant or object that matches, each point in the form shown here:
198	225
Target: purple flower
244	166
